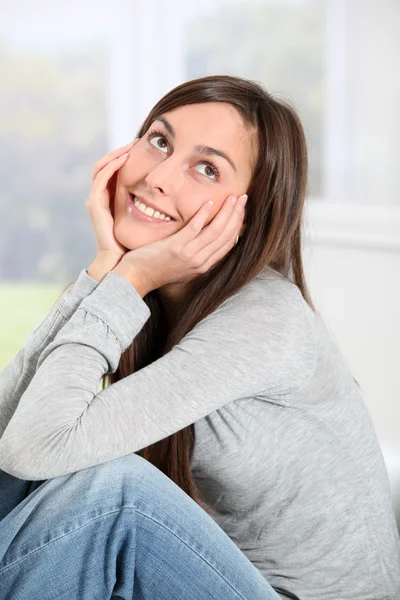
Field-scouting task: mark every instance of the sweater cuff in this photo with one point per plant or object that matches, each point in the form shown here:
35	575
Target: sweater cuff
118	304
84	285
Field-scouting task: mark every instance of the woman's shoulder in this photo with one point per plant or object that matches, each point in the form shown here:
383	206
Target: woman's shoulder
272	303
273	291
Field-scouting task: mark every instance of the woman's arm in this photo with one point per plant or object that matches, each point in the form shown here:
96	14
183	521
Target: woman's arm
16	376
258	342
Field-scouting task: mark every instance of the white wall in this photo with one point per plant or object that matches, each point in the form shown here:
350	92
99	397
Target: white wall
355	284
358	293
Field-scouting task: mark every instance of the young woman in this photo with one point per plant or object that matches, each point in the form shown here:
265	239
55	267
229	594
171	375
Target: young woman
229	453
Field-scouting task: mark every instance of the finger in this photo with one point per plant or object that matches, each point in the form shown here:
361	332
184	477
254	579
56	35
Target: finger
106	172
108	158
217	256
111	156
212	249
218	232
227	214
193	227
102	180
114	154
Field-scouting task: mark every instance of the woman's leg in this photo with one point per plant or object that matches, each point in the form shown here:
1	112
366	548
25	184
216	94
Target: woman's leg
122	529
13	491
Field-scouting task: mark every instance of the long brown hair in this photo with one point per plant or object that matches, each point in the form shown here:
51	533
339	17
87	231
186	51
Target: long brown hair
273	238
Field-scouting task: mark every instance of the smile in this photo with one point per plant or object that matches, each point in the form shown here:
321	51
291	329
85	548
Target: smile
142	212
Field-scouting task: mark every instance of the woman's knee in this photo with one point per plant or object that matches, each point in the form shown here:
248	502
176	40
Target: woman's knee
119	480
131	468
92	492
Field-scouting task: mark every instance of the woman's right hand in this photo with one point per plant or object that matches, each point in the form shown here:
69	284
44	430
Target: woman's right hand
101	197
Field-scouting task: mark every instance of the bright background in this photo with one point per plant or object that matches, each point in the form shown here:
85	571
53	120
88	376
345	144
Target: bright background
79	77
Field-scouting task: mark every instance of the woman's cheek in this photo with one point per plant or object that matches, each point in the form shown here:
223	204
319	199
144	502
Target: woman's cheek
136	167
146	162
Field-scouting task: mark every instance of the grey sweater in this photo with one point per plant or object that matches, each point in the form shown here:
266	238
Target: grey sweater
285	449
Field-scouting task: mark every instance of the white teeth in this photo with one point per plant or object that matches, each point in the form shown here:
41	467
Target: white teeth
150	211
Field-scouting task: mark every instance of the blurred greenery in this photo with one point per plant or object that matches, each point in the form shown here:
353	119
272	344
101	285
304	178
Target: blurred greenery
53	128
53	122
23	307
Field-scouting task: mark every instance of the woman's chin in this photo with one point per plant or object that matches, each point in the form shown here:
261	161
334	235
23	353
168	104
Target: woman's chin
125	232
128	244
124	235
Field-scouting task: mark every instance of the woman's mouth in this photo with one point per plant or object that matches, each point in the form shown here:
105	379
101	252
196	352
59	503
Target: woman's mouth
137	208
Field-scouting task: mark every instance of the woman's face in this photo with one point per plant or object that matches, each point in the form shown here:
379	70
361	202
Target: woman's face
168	169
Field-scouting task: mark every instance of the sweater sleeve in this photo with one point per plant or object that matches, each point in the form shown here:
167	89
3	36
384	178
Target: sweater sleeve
259	341
17	374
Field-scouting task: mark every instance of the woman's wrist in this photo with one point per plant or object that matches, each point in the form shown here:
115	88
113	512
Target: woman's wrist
103	264
130	274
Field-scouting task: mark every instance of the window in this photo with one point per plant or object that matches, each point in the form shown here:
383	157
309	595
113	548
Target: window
334	59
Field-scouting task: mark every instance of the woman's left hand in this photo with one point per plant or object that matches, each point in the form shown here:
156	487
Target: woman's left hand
192	250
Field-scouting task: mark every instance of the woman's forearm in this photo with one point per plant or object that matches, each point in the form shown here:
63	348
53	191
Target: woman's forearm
17	375
103	264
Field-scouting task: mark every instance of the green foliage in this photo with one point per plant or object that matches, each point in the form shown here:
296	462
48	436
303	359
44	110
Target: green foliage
22	308
52	131
53	114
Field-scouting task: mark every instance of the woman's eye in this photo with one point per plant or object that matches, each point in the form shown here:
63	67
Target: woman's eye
211	171
158	147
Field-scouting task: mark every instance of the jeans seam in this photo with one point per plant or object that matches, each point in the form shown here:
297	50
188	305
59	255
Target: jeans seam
106	515
202	557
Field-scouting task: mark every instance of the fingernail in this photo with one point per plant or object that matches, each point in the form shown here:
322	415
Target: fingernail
209	205
128	145
243	199
233	200
124	155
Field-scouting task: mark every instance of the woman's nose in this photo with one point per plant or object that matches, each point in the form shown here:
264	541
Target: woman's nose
165	176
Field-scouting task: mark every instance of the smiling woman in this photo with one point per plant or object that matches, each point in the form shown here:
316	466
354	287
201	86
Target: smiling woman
230	453
172	172
169	170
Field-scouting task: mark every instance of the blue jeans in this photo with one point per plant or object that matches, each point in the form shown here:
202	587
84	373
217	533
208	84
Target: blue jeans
122	530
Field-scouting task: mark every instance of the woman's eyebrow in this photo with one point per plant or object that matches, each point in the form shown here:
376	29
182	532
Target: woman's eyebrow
200	149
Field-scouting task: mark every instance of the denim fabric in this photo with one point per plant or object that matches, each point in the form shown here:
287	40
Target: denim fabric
121	529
